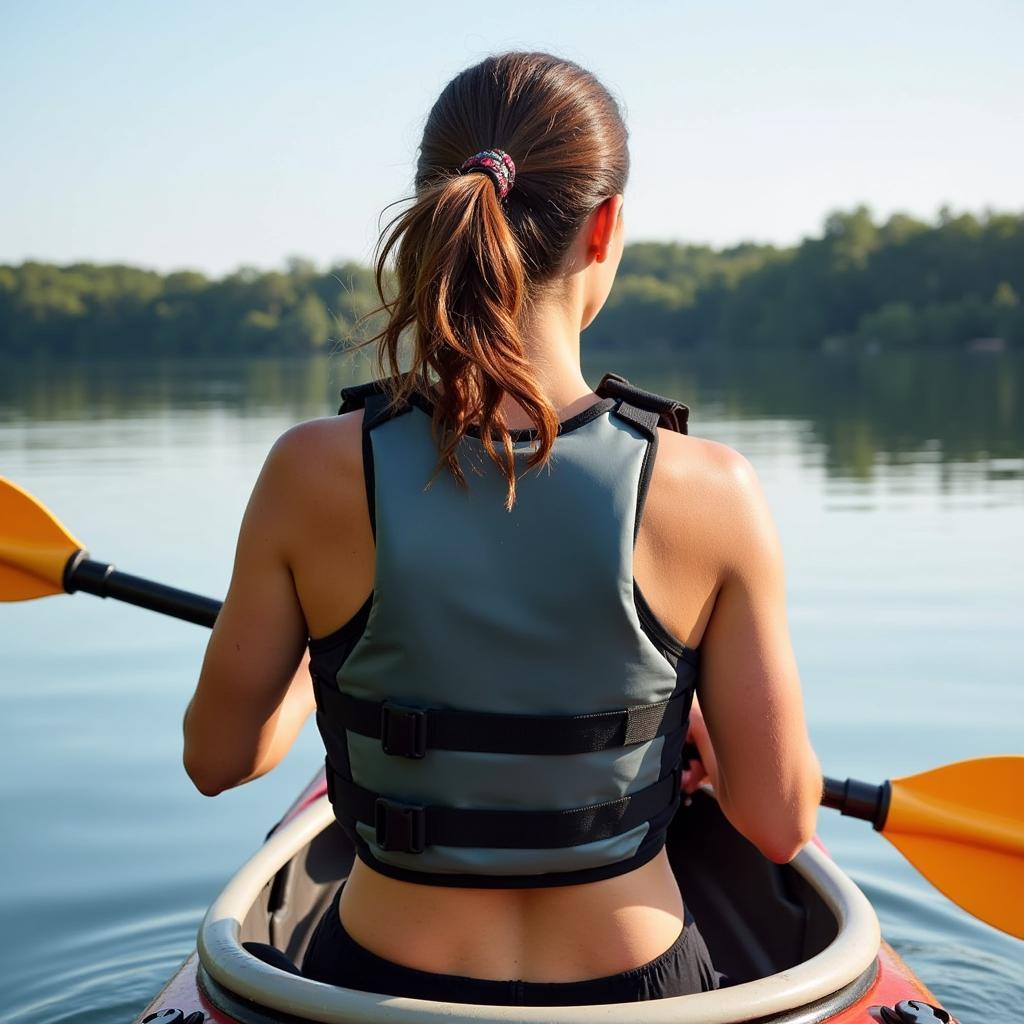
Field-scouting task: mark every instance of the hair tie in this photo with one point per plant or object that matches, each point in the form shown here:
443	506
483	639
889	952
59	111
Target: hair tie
498	164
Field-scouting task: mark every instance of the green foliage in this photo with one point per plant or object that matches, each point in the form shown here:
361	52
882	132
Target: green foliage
85	310
859	285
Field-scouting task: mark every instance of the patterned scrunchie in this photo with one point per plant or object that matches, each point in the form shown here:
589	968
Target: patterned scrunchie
498	164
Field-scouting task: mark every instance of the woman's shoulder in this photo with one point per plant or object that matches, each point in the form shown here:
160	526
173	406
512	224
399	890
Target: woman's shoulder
713	492
689	462
316	469
327	442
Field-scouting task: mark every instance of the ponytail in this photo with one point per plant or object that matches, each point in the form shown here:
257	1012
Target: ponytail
469	253
462	288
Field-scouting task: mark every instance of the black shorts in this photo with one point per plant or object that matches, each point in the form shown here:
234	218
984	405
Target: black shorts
336	958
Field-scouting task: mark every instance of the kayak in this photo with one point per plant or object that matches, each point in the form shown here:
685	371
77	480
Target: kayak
799	942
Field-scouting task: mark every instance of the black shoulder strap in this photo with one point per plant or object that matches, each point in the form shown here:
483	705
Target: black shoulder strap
646	408
646	411
364	396
374	399
669	413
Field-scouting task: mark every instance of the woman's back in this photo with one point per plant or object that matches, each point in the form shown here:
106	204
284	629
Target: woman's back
543	933
500	715
502	259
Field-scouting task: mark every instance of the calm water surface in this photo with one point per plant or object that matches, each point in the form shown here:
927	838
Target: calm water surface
898	487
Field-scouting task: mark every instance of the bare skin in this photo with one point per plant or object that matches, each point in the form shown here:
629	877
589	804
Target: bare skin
708	561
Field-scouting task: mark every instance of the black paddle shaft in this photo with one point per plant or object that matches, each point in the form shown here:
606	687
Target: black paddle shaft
103	580
856	799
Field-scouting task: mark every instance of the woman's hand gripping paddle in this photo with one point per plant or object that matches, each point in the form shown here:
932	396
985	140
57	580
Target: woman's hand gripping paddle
961	826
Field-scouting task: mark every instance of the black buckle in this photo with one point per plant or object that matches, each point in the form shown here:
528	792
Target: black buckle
403	731
400	827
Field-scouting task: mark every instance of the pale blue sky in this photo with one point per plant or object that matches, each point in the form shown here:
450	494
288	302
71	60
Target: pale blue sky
209	135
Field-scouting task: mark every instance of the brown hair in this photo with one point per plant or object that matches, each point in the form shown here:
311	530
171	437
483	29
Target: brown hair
468	264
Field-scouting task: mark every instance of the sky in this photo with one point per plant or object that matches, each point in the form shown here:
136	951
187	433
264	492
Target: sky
217	135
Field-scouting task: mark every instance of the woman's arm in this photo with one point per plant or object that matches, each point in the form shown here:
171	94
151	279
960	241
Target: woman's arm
766	775
254	691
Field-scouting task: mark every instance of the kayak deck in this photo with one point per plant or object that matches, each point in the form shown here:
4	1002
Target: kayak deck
797	942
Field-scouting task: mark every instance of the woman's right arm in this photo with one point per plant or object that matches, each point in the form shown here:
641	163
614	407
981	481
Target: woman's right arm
768	778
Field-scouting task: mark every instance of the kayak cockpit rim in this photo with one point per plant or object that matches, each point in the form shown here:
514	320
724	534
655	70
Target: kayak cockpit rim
830	979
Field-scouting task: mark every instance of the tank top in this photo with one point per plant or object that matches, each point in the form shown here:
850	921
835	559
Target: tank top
505	710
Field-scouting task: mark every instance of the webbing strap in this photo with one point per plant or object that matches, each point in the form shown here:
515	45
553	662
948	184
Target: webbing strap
410	731
410	828
375	408
356	396
646	419
670	413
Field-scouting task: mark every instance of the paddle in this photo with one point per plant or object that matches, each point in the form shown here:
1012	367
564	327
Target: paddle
961	826
39	557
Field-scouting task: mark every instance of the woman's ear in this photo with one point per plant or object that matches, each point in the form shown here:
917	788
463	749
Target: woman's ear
603	225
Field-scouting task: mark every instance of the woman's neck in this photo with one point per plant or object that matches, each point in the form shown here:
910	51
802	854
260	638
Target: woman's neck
551	343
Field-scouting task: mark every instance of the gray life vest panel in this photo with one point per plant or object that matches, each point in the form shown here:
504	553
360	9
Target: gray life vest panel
505	710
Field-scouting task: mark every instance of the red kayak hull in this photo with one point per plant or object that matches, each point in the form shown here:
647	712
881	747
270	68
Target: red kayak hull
894	981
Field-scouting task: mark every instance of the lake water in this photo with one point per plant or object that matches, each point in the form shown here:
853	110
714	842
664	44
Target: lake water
898	487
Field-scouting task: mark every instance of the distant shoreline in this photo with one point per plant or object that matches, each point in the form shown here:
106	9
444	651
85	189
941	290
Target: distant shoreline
861	285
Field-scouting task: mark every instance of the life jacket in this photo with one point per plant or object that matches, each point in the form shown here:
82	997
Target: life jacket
505	709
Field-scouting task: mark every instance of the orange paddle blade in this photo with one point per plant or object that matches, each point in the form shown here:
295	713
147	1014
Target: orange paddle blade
962	827
34	546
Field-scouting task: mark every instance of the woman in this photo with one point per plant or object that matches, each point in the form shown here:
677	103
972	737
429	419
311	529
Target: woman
486	559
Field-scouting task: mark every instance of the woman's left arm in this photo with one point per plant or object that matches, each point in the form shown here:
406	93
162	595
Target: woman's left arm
254	691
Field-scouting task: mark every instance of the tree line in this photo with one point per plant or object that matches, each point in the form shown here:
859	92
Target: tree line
901	283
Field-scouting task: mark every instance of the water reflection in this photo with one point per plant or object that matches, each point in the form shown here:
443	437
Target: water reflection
904	592
861	419
871	415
